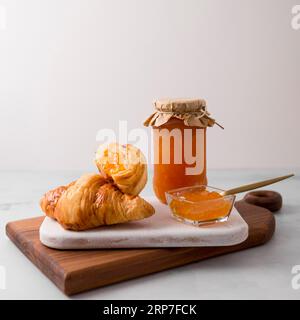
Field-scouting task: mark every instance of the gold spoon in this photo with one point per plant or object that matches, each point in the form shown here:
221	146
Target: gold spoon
255	185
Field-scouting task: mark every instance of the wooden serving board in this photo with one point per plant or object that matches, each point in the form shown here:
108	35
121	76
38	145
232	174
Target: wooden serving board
75	271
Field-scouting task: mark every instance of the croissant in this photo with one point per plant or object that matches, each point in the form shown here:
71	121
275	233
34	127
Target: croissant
90	202
124	164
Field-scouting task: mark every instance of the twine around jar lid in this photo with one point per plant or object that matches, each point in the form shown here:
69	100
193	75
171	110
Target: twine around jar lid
192	111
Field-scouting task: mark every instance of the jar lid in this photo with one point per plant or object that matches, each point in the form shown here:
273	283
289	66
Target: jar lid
192	111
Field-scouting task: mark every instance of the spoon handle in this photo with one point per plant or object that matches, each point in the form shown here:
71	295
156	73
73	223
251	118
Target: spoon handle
255	185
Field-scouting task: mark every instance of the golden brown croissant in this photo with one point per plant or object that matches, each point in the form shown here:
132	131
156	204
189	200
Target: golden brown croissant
124	164
90	202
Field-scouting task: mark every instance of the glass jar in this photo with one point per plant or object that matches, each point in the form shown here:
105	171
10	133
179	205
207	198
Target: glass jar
173	174
179	143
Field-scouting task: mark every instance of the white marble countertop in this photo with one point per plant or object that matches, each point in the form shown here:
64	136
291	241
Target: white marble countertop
258	273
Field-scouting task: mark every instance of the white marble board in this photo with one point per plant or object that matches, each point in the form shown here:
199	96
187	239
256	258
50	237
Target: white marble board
160	230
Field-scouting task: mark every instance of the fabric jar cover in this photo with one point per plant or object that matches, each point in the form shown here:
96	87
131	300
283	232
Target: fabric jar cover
192	111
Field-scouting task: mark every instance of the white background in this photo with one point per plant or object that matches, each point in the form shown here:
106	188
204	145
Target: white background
71	67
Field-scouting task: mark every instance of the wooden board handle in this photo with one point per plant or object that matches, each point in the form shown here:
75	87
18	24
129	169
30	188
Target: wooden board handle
270	200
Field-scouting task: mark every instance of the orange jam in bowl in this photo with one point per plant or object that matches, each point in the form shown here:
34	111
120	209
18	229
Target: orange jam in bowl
199	204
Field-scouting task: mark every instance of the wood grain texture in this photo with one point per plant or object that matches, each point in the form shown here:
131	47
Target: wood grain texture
75	271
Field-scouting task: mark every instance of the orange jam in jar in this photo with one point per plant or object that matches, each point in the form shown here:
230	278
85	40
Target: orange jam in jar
173	175
179	141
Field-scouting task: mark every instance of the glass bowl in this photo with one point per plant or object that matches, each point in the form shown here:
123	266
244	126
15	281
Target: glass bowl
199	205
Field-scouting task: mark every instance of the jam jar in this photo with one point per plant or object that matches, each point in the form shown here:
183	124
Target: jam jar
179	144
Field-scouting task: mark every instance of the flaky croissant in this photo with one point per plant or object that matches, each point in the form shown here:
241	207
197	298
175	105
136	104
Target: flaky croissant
124	164
90	202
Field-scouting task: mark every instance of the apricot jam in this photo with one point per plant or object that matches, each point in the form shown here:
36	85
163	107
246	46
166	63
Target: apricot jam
173	175
201	205
179	133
